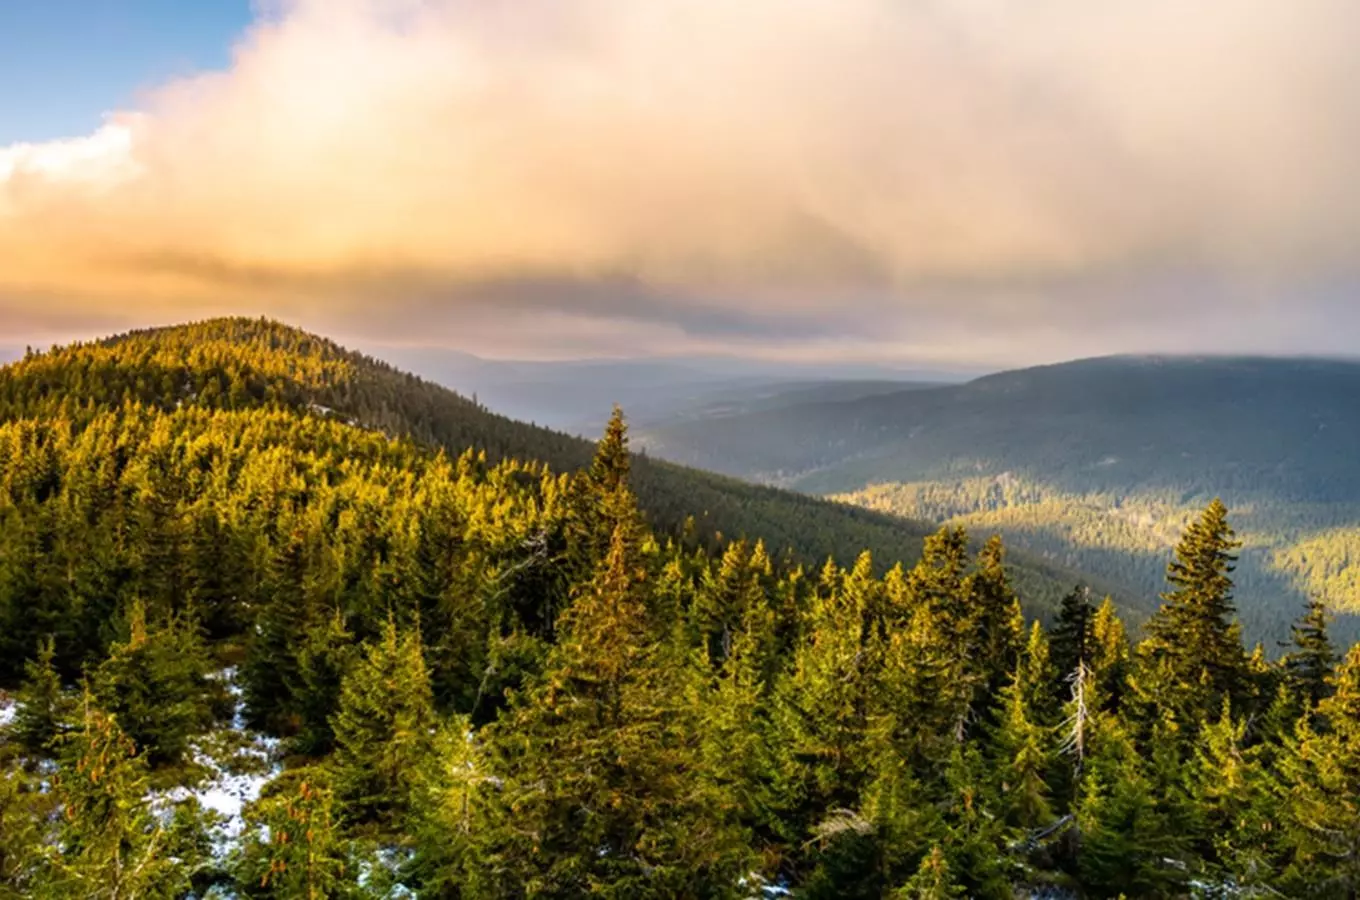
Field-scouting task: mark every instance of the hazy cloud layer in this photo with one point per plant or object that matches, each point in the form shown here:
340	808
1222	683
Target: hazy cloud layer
976	179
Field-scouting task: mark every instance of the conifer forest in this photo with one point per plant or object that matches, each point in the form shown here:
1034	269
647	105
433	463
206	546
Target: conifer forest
278	621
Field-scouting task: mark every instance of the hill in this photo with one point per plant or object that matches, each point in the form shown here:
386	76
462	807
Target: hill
268	639
575	396
235	364
1097	464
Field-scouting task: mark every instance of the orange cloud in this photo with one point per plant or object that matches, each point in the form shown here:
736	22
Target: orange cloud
928	167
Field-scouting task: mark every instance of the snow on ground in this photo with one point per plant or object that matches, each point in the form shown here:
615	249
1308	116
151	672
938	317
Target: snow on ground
236	764
8	708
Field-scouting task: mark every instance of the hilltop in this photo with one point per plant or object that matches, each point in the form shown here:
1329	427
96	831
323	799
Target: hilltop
240	363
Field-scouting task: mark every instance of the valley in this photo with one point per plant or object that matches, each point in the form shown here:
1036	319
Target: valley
1094	464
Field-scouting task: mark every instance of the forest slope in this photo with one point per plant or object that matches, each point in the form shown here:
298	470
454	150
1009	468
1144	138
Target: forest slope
1096	463
237	364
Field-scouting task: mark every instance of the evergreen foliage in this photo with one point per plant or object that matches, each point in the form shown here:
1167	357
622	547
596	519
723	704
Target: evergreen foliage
475	678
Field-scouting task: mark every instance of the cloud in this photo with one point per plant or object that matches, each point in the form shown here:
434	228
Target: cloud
967	178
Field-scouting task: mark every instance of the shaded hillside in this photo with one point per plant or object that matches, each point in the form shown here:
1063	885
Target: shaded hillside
241	363
1094	464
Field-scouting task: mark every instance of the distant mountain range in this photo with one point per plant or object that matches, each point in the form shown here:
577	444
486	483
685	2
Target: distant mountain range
576	396
1095	464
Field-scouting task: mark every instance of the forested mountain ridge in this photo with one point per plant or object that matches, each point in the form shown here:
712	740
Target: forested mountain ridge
262	652
1097	463
240	363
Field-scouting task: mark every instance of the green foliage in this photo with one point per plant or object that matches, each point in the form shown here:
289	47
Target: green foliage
44	708
384	731
488	678
1193	658
155	682
1309	664
1095	464
293	845
112	841
24	812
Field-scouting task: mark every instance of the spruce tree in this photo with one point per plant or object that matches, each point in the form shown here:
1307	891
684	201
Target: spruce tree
112	843
1193	656
1308	667
600	759
1023	757
384	732
1110	659
602	503
932	881
1321	775
156	683
44	709
322	662
293	846
26	814
1125	835
996	623
1234	803
823	702
1072	639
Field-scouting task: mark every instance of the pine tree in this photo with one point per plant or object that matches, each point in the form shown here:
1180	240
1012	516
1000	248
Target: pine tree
730	710
996	623
1037	678
293	847
45	710
822	706
112	843
1110	660
156	683
26	812
1321	774
384	731
975	834
932	881
1308	667
322	662
270	674
1125	834
1193	655
938	579
599	762
1233	801
1072	638
602	503
1023	753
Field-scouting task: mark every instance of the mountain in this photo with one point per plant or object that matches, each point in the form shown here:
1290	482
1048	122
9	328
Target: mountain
1097	464
575	396
240	363
251	604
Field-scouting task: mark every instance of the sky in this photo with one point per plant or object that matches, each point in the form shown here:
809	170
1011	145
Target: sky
940	182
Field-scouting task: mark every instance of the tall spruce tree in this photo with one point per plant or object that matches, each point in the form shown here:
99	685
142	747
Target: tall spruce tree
26	814
293	846
599	760
1321	776
1308	666
1193	656
995	621
1072	640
